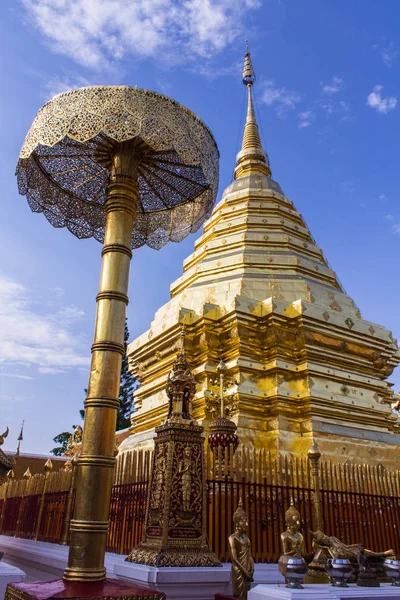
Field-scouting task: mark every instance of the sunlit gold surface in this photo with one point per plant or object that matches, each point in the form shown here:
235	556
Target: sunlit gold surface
258	292
95	464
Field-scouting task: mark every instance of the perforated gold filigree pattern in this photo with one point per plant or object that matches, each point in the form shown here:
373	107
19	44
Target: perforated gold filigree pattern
64	164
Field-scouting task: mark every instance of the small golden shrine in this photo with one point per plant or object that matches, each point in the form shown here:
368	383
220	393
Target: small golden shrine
259	294
175	533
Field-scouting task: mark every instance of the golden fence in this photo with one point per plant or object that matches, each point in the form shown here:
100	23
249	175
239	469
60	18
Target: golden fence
352	502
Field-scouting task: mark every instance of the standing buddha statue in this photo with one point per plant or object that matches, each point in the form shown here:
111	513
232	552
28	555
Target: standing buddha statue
240	551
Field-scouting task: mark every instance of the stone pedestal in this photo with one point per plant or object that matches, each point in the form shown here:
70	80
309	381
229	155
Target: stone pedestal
9	574
178	583
324	592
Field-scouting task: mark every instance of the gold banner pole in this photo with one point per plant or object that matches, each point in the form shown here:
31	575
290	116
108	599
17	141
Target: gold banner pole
27	476
47	470
68	508
314	456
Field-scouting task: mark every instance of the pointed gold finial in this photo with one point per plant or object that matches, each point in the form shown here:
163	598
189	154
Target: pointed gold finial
314	452
251	158
48	466
19	439
10	475
27	474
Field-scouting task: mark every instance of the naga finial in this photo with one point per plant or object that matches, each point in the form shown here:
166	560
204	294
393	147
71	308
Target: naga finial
3	436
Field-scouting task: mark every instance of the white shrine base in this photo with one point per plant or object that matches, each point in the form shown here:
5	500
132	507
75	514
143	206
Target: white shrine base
178	583
9	574
42	561
324	592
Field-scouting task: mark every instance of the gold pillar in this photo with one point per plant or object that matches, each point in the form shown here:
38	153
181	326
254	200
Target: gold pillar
47	470
95	465
314	456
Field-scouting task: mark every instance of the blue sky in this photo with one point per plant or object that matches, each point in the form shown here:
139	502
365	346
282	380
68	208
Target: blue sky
327	98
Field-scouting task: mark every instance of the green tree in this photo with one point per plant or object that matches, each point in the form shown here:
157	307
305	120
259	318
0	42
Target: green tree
127	386
62	439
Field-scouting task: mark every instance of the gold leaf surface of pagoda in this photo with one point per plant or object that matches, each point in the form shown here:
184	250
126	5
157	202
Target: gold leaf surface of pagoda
258	293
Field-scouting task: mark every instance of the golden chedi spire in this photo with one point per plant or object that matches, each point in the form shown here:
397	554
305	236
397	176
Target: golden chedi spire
251	158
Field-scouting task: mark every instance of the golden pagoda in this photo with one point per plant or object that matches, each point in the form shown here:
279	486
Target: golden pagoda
258	293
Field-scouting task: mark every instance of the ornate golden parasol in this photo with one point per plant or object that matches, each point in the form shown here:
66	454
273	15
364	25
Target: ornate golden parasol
128	167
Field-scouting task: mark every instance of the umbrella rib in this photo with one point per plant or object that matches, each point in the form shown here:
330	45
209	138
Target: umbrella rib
153	190
86	181
203	185
81	168
68	193
172	187
178	164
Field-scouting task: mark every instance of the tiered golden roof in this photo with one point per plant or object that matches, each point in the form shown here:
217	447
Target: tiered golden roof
258	292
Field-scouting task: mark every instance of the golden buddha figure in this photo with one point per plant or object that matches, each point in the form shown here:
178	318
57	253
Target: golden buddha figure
240	551
185	469
292	540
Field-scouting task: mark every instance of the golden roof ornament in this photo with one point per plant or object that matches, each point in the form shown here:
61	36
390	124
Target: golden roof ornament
3	436
181	386
252	158
27	474
223	430
314	452
20	439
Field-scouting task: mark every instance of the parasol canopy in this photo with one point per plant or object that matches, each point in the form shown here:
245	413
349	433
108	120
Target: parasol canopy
64	164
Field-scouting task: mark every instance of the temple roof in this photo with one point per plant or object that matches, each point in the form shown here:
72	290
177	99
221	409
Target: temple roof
5	461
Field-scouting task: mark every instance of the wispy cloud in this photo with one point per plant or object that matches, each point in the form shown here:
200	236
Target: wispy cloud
388	217
335	86
381	104
390	53
347	186
282	99
17	376
29	339
100	33
57	85
396	228
306	118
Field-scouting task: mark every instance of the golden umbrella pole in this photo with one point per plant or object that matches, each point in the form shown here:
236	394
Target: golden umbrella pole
95	465
128	167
